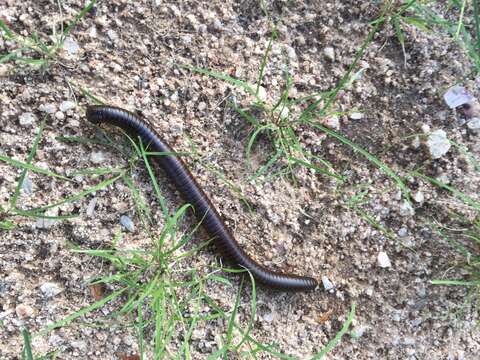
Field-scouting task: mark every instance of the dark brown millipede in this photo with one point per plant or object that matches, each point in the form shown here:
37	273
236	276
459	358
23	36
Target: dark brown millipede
193	194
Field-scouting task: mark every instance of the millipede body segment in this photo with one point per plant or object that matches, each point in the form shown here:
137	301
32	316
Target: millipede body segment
176	170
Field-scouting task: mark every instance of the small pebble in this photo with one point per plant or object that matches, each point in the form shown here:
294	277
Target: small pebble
71	46
356	116
27	185
332	122
329	53
97	157
48	108
127	223
67	105
201	106
406	209
24	311
418	196
327	284
27	119
112	35
284	113
268	317
50	289
262	94
474	124
91	207
402	232
457	96
45	223
59	115
438	144
383	260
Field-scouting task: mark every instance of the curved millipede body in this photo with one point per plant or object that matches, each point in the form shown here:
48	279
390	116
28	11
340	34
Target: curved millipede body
193	194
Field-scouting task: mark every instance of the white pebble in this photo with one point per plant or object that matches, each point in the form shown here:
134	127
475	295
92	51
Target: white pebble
332	122
329	53
27	119
406	209
383	260
27	185
113	36
262	94
127	223
48	108
71	46
425	128
67	105
474	124
59	115
97	157
356	116
201	106
91	207
457	96
50	289
327	284
418	197
438	144
284	113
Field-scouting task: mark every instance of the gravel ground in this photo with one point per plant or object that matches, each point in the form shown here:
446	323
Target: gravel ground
124	53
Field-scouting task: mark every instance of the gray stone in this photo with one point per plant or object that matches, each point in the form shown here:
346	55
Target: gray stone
50	289
127	223
27	119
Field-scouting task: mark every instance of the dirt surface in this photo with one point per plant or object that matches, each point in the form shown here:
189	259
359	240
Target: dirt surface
127	55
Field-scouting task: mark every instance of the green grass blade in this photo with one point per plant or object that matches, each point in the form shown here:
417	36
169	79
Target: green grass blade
332	343
220	76
31	155
382	166
67	320
27	347
22	165
456	282
77	18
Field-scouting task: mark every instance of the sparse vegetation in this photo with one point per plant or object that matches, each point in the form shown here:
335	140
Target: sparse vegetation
155	289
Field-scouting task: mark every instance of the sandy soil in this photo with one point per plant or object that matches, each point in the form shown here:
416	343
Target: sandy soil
126	56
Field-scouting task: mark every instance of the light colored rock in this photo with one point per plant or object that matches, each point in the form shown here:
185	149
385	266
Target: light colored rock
418	197
329	53
356	116
438	144
67	105
27	119
127	223
50	289
112	35
91	207
48	108
332	122
383	260
262	94
406	209
327	284
59	115
97	157
457	96
284	113
80	345
201	106
71	46
24	311
474	124
27	185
